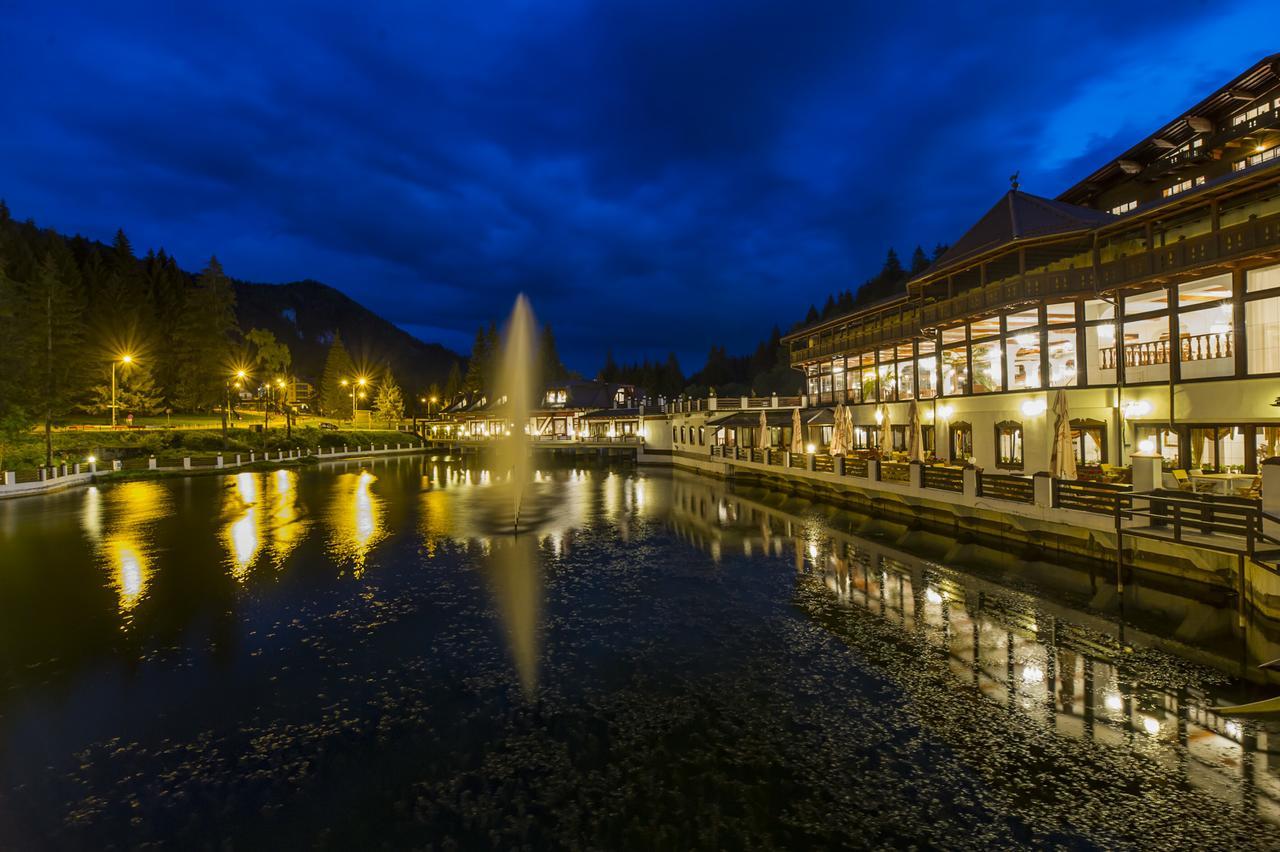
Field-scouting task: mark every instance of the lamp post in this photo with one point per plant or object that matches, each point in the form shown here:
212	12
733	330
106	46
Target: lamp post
126	360
288	421
226	407
358	382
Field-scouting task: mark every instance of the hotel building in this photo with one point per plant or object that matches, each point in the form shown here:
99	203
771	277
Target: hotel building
1149	292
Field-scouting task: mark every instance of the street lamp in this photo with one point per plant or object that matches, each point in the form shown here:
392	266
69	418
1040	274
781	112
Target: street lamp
239	376
126	360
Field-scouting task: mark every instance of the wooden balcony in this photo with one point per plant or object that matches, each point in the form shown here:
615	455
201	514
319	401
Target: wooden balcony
1183	258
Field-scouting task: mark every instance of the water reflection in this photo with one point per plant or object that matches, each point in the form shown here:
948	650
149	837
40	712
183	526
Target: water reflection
250	524
515	580
355	520
1062	668
118	521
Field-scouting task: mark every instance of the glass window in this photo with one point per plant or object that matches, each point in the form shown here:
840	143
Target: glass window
1062	357
988	327
988	372
1262	279
1262	334
1100	343
1146	350
1196	294
1009	445
955	371
1023	352
1141	303
1217	448
1060	313
1268	442
1098	309
1090	440
906	380
888	382
1022	319
1205	342
837	377
961	441
955	334
926	375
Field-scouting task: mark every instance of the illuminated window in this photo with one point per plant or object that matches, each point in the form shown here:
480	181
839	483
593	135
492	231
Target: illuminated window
1009	445
1182	186
1257	159
1124	208
1250	114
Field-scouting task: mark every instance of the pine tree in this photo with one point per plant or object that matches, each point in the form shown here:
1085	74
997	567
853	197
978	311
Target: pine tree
919	261
208	319
388	401
609	372
551	370
478	366
453	384
136	391
335	399
50	339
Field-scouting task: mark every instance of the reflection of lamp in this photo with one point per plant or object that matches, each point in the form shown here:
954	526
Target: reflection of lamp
1113	702
879	416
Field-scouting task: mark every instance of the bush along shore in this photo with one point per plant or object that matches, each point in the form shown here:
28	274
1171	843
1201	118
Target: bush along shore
134	447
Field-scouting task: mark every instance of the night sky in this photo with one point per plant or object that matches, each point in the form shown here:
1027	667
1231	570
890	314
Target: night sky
655	175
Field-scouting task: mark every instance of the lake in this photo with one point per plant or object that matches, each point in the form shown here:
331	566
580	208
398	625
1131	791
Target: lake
361	654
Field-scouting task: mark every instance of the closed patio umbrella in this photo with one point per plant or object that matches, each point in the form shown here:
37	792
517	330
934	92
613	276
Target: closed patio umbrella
886	430
915	440
797	433
848	429
838	447
764	431
1063	463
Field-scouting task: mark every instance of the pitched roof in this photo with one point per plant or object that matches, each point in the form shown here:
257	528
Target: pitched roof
1018	216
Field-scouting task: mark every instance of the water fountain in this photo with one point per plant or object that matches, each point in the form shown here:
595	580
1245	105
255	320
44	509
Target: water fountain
513	568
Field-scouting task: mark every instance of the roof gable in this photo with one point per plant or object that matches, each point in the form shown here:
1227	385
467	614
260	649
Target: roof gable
1018	216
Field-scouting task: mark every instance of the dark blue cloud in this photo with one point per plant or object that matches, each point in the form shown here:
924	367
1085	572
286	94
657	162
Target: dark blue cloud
656	175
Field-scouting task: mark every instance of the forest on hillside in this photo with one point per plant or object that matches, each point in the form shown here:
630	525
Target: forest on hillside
74	311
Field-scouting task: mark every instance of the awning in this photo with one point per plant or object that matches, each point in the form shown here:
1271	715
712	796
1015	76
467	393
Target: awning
611	414
751	417
818	416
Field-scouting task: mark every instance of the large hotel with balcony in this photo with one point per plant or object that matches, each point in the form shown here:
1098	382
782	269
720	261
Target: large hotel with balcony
1149	291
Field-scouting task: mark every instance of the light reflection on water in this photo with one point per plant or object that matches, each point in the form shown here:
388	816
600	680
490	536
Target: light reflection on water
435	523
1014	650
355	520
119	524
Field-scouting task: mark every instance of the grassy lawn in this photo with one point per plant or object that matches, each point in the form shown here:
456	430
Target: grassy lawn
75	445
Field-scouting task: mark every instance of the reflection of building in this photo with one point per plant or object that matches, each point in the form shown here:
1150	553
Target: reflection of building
571	410
1149	291
1065	669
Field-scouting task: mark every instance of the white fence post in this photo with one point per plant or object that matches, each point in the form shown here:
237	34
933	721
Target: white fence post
117	465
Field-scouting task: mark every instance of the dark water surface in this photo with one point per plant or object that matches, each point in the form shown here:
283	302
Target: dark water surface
360	656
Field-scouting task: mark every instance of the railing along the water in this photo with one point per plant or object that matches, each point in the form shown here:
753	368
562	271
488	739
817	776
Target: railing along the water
1097	497
943	478
895	472
1003	486
855	467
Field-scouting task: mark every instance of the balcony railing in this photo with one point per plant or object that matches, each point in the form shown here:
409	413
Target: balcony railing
943	478
1001	486
1233	241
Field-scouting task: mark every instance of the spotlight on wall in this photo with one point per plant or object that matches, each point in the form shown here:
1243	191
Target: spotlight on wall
1146	446
1136	408
1033	407
944	411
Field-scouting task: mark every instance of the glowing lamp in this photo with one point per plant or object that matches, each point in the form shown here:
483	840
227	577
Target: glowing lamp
944	411
1146	446
1033	407
879	416
810	448
92	460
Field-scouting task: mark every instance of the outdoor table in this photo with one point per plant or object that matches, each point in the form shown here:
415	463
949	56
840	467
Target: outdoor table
1223	483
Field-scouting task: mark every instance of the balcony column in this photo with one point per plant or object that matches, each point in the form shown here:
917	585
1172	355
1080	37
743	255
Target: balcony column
1148	471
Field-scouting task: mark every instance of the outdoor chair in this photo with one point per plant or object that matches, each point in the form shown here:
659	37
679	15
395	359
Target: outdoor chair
1253	490
1183	480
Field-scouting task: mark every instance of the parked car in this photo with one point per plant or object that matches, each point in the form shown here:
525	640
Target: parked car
332	427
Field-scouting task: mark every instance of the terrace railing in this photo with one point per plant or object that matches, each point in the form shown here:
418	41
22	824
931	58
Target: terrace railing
943	478
1098	497
1003	486
895	472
